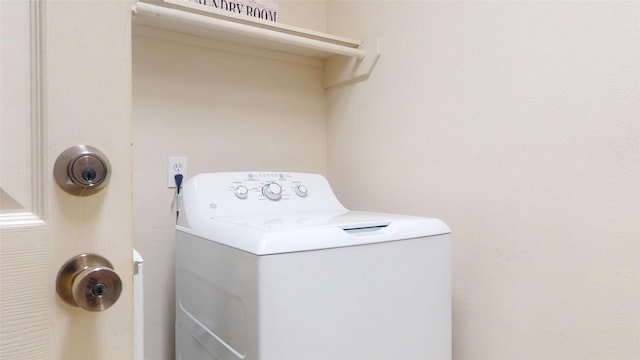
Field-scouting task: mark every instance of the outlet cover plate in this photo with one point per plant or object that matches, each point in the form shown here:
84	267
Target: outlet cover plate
176	165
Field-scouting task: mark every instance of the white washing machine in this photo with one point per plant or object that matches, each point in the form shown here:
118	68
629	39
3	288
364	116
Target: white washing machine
270	266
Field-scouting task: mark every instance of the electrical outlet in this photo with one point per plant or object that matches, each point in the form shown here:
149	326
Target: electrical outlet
176	165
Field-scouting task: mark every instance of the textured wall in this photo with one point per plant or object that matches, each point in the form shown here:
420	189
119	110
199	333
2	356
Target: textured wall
517	124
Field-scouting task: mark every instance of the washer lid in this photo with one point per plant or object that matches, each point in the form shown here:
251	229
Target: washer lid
285	233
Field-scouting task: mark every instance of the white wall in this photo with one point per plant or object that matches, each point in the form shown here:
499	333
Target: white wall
226	108
518	124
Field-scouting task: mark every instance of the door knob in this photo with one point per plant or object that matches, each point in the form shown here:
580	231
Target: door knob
82	170
88	281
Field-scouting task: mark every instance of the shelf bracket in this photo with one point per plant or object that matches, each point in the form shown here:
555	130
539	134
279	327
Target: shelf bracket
341	70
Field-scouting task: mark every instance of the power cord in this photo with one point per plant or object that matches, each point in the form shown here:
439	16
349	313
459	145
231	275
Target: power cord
178	178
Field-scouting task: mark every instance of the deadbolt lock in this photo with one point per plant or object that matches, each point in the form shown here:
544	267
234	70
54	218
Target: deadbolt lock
88	281
82	170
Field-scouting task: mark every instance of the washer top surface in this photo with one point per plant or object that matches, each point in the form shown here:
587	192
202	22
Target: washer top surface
271	212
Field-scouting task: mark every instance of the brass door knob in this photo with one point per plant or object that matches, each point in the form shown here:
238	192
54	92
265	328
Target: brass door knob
88	281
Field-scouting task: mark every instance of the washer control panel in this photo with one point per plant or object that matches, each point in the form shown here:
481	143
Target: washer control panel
256	193
269	186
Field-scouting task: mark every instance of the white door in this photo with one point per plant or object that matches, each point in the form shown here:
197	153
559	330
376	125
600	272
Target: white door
65	80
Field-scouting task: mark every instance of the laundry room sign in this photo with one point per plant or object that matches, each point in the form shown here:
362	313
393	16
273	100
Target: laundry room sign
258	9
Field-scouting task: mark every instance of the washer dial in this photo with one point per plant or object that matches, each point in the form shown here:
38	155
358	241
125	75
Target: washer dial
272	191
241	192
301	190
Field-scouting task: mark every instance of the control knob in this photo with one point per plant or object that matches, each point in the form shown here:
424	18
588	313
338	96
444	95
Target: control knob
272	191
301	190
241	192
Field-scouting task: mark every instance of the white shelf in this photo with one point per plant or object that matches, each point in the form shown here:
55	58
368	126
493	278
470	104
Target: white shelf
354	62
233	28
